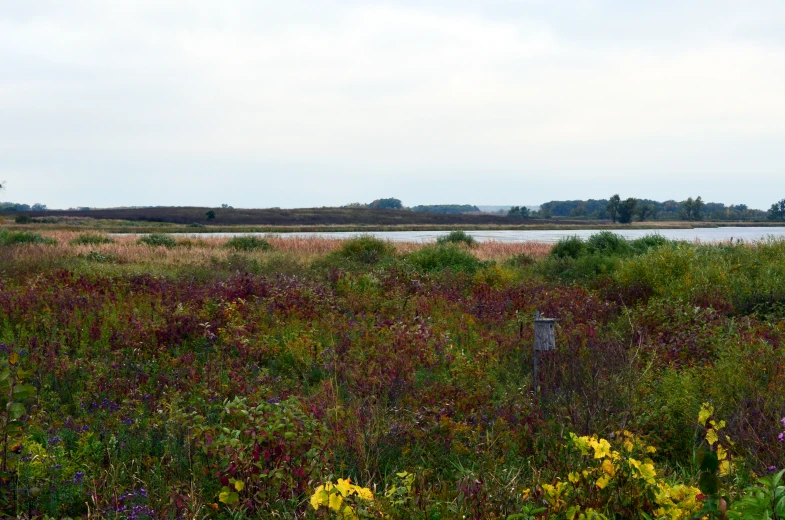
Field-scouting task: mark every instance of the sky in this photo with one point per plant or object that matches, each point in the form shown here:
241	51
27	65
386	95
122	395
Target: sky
317	103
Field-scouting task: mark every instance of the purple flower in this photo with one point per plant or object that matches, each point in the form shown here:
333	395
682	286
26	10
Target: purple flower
772	468
78	477
781	437
783	421
57	440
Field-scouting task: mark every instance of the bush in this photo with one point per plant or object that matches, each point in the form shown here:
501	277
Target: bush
89	239
457	237
248	243
608	243
195	225
23	219
366	249
157	240
440	257
571	247
643	244
10	238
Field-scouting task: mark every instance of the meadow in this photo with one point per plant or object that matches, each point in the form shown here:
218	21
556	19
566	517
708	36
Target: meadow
199	378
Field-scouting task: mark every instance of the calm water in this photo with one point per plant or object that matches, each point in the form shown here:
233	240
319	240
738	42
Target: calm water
748	234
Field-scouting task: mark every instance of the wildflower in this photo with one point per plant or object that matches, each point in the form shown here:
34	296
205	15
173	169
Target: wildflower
78	477
55	440
772	468
781	437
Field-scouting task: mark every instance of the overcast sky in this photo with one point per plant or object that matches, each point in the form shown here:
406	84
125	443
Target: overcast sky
316	103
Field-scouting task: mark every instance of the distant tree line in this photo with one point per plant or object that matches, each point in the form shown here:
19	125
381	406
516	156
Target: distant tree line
13	206
632	209
447	209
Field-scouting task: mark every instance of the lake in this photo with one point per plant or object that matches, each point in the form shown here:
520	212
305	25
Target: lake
721	234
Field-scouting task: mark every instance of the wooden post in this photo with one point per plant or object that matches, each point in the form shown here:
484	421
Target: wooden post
544	339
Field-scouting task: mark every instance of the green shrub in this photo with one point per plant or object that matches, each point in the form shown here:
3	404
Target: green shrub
157	240
441	257
457	237
570	247
520	260
90	239
101	258
643	244
23	219
195	225
608	243
366	249
11	238
248	243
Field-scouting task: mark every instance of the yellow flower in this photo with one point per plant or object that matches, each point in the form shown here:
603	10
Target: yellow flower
608	467
602	482
711	436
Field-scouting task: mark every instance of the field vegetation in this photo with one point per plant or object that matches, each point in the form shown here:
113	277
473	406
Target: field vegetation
314	378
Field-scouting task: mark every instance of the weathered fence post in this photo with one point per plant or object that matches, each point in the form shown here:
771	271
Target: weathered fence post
544	340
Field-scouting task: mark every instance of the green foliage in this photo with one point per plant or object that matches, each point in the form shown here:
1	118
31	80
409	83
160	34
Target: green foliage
248	243
388	203
366	249
210	214
777	211
570	247
11	238
440	257
456	237
91	239
608	243
158	240
627	210
765	500
447	209
23	219
519	212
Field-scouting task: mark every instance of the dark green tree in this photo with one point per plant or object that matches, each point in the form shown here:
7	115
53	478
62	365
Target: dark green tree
391	203
519	212
777	211
645	211
613	207
627	210
210	215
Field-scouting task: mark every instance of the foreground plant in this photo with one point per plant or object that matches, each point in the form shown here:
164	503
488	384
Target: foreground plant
345	499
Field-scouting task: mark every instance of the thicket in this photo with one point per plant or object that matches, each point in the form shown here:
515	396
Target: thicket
371	384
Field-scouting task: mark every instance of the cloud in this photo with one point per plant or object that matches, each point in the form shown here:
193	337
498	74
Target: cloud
398	90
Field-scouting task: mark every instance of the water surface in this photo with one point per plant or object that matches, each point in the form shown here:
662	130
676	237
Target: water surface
720	234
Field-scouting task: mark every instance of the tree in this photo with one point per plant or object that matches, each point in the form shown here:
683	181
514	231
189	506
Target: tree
210	215
391	203
519	212
645	211
697	208
777	211
613	207
38	207
627	210
692	209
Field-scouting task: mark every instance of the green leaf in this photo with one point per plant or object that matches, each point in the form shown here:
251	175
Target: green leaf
4	375
228	497
708	483
23	391
16	410
13	428
709	461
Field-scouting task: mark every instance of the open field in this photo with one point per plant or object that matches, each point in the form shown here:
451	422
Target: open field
209	378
